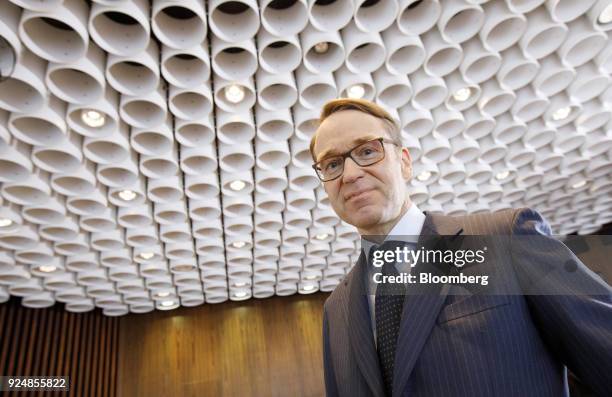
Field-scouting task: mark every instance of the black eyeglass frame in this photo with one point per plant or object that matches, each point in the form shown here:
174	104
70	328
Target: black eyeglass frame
344	155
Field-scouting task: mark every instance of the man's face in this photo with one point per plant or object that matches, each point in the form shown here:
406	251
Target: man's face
363	196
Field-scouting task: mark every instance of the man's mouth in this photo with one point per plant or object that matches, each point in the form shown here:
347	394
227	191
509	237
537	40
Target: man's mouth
357	194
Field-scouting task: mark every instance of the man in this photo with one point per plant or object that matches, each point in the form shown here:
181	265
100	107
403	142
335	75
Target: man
441	344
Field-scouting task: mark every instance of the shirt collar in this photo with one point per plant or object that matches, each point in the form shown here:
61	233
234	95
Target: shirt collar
407	229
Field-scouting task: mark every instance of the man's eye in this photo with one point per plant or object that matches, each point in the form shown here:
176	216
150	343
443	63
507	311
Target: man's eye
331	165
365	152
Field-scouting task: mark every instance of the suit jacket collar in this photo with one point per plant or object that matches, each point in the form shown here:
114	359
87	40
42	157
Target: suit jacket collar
421	307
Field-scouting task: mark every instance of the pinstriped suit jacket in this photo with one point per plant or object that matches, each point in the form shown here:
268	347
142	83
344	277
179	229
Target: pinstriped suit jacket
495	345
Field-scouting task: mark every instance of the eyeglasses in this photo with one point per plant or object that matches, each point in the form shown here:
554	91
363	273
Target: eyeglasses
365	154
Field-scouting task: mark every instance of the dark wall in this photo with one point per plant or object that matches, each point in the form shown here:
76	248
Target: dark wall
269	347
54	342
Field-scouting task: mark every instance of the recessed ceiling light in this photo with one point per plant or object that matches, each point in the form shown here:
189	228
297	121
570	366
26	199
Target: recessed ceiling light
321	48
561	113
5	222
355	91
147	255
239	284
167	303
308	287
321	236
423	176
462	94
234	93
237	185
47	268
502	175
92	118
579	184
163	294
240	294
606	15
238	244
127	195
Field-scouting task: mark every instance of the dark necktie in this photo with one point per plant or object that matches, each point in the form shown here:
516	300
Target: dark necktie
388	307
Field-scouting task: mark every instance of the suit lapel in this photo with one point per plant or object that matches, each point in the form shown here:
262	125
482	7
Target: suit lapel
422	305
360	329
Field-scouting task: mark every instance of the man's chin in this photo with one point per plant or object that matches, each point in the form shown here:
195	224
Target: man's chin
364	217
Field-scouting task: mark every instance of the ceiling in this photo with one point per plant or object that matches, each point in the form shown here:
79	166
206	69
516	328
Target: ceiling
155	154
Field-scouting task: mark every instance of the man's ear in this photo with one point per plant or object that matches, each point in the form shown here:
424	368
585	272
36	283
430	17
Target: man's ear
406	161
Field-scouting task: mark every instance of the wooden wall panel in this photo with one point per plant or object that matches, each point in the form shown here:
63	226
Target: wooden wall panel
54	342
269	347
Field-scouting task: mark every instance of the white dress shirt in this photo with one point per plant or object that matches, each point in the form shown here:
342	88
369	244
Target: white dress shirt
407	229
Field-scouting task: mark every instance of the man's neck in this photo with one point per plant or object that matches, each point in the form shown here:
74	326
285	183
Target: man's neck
377	233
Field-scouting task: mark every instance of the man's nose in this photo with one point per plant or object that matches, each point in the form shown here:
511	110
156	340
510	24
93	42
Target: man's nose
352	170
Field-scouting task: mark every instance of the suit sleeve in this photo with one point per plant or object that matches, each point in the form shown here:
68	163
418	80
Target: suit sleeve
331	390
570	305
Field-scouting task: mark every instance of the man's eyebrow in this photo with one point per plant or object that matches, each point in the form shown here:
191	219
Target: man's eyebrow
355	142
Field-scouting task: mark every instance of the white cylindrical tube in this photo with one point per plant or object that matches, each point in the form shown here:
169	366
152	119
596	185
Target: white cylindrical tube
190	103
194	133
144	111
516	71
62	156
272	155
120	28
198	160
275	91
582	44
461	94
365	52
543	35
81	81
429	91
529	104
44	127
57	35
502	28
152	141
323	50
236	157
459	20
415	121
108	150
284	19
478	63
375	17
97	119
442	57
354	85
565	11
120	174
233	60
494	99
161	165
233	128
315	88
134	74
179	24
278	54
186	67
24	90
233	21
416	17
405	53
234	96
165	190
330	16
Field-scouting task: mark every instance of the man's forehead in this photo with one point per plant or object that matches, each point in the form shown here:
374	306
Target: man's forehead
342	129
